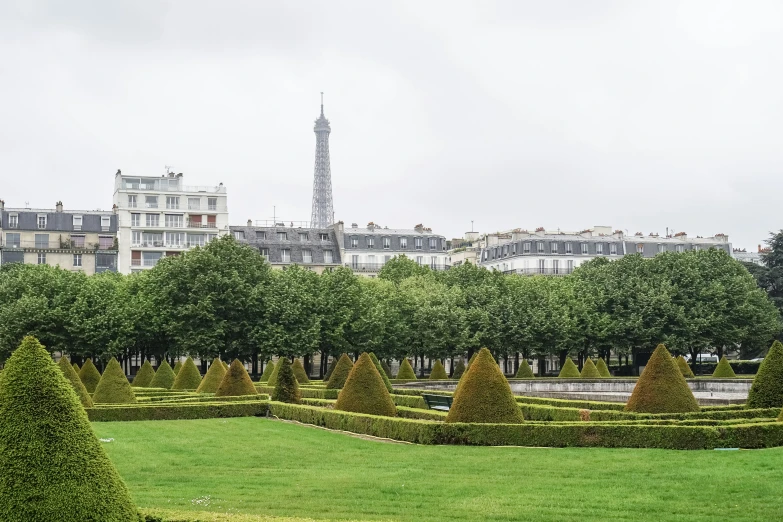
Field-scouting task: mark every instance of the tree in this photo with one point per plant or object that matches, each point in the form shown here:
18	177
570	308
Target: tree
286	387
294	323
399	268
770	276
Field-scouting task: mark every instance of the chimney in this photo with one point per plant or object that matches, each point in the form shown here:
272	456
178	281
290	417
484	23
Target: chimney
114	209
250	222
354	225
59	206
2	204
419	228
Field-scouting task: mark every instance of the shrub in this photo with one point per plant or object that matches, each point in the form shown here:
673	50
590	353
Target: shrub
686	371
470	361
177	367
767	388
364	391
76	369
53	467
386	369
569	370
236	382
76	382
144	376
273	376
589	370
459	369
247	407
378	367
114	387
90	376
661	388
603	370
164	377
406	371
484	395
524	371
268	369
723	370
340	373
438	371
299	372
188	377
286	387
225	365
213	377
330	369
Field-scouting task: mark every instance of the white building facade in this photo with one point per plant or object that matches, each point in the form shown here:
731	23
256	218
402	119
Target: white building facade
161	216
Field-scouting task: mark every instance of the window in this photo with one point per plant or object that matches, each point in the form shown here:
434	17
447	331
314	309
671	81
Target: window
570	265
695	247
514	249
194	203
540	247
260	234
105	223
42	241
371	261
569	248
386	243
613	249
661	248
135	238
486	253
403	243
302	236
418	243
386	259
150	258
328	256
42	222
584	249
419	260
13	221
151	201
599	249
211	203
172	202
264	252
174	221
210	237
433	262
307	256
135	220
153	220
77	241
132	202
541	266
12	239
196	240
152	239
555	266
77	260
282	236
370	242
354	262
239	234
525	248
640	248
41	259
679	249
105	242
323	237
555	248
77	223
175	239
433	243
285	255
105	262
354	242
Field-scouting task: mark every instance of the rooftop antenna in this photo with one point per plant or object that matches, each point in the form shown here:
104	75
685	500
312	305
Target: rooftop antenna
322	103
26	204
168	168
471	225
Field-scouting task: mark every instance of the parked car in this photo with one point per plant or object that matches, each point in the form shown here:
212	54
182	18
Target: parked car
757	359
704	358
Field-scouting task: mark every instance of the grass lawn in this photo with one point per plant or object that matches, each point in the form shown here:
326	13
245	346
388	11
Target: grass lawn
261	466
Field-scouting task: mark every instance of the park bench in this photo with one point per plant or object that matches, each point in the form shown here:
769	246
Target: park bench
438	402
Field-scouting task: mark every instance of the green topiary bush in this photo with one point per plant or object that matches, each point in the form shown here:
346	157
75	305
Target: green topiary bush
213	377
406	371
53	467
685	370
661	388
767	388
386	381
589	371
268	369
164	377
287	385
114	387
483	394
386	369
76	382
188	377
144	376
236	382
459	369
177	367
364	391
603	369
273	376
330	368
724	370
90	376
470	361
438	371
299	372
340	373
569	370
76	369
225	365
524	371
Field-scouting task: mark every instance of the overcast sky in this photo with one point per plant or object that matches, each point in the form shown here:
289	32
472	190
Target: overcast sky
638	115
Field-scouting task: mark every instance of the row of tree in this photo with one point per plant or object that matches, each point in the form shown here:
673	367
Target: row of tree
224	300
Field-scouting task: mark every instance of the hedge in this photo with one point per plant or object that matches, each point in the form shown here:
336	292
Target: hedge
143	376
661	388
381	371
249	408
164	377
268	369
287	384
364	390
236	382
409	401
589	370
569	370
90	376
340	373
524	371
724	370
767	387
113	388
603	370
76	382
309	393
213	377
438	371
299	372
406	371
188	377
686	371
459	369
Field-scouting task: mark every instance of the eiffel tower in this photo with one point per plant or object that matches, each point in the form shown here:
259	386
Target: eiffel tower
323	208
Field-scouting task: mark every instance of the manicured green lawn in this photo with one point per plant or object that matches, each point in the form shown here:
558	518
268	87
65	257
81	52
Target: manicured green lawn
260	466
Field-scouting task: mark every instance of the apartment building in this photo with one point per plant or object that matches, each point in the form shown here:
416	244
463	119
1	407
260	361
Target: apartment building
78	240
161	216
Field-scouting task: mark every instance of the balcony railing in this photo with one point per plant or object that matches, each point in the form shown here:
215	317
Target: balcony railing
56	244
540	271
199	224
168	185
375	267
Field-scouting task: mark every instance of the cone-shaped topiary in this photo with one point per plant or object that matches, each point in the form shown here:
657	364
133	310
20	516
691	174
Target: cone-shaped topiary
287	385
569	370
603	369
213	377
364	391
661	388
470	361
459	369
144	376
767	388
76	369
686	371
483	395
53	467
164	377
438	371
273	376
236	382
406	371
114	387
299	372
340	373
377	363
177	367
268	369
386	369
524	372
330	368
76	382
188	377
589	371
225	365
724	370
90	376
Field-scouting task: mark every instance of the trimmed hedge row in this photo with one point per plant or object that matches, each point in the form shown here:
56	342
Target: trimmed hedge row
198	398
409	401
178	411
306	393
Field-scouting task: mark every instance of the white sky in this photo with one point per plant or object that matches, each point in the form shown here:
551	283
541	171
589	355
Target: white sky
638	115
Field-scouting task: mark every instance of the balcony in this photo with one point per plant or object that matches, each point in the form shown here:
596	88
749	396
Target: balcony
199	224
169	185
57	244
376	267
540	271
